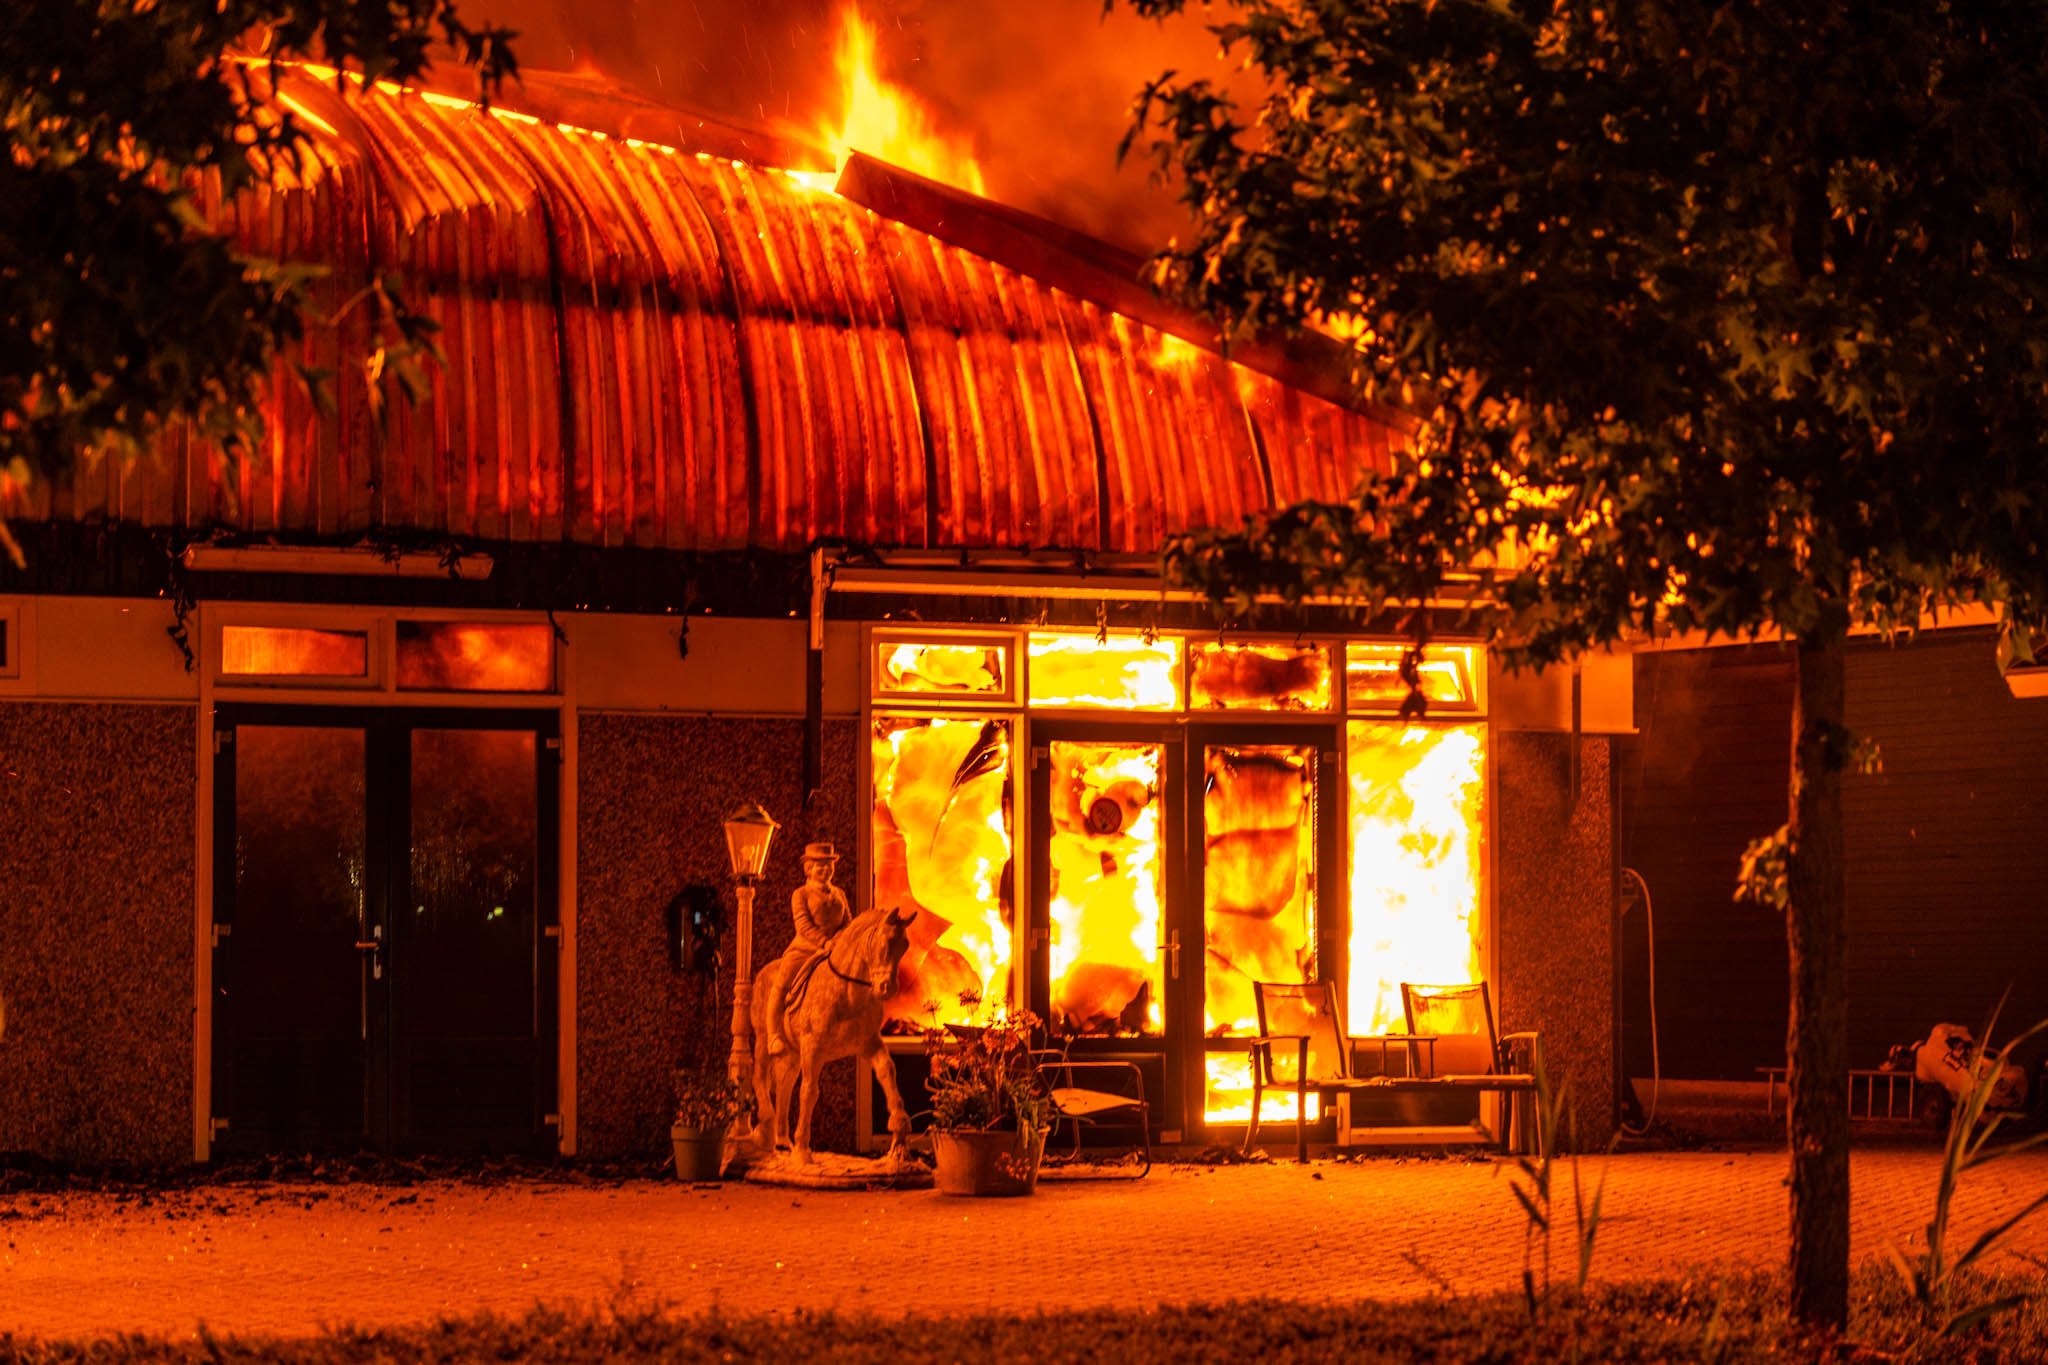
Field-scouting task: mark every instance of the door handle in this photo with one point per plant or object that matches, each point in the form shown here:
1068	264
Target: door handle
1172	949
374	946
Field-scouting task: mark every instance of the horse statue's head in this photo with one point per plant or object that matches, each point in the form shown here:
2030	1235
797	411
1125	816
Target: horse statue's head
874	946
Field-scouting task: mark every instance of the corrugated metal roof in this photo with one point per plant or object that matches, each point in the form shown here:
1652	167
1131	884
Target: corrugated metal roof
656	348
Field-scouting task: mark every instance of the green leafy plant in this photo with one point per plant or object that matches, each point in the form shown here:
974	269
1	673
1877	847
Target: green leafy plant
984	1077
707	1099
1932	1278
1535	1189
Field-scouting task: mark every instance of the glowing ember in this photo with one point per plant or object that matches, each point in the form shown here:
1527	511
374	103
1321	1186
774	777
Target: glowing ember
1169	352
942	845
1121	671
1417	802
969	669
1105	894
886	121
1234	677
1227	1093
290	651
1372	676
1258	898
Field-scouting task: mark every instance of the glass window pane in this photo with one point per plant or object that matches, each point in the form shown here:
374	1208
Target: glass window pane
942	837
1124	672
1417	806
1373	682
1105	897
296	992
942	668
1258	896
1254	677
443	656
465	999
475	877
293	652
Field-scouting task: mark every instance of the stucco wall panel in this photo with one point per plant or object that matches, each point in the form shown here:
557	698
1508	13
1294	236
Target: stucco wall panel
653	791
96	888
1555	863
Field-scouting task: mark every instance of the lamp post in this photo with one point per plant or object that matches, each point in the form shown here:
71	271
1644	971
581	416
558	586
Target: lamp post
747	833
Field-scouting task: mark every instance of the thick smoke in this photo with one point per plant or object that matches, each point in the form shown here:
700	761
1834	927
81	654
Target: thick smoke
1041	90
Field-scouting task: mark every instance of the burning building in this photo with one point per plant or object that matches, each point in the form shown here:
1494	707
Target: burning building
365	790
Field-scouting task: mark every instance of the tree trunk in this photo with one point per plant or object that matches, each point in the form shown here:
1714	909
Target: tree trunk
1817	1032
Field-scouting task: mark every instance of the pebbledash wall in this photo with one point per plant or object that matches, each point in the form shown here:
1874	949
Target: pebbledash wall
99	868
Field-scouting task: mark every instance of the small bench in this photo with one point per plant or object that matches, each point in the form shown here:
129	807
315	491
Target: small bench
1302	1047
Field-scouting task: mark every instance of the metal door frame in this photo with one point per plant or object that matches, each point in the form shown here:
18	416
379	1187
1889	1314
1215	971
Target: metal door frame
387	732
1325	739
1170	735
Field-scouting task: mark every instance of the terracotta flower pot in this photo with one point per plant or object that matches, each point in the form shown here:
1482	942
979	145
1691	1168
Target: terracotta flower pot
971	1162
700	1152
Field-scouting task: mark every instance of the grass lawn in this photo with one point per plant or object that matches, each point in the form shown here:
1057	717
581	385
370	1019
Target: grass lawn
1732	1320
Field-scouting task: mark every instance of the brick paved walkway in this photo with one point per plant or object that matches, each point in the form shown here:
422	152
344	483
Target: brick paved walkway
293	1257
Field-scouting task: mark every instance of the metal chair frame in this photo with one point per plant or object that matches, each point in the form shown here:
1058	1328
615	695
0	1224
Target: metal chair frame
1057	1073
1265	1077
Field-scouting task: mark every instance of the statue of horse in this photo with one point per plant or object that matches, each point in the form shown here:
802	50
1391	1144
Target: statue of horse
837	1013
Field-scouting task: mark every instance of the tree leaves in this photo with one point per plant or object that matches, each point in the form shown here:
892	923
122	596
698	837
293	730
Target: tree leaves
121	310
1705	314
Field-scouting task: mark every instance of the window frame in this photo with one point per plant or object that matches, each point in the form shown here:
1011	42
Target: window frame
883	696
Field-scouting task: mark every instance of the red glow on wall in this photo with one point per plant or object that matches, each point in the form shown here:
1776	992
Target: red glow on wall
436	656
293	652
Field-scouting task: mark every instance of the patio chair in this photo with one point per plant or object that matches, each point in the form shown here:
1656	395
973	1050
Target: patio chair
1086	1092
1302	1047
1470	1053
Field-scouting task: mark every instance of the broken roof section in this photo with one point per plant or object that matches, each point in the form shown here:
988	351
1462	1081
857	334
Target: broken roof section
652	347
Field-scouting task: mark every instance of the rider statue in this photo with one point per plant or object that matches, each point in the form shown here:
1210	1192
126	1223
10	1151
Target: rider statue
819	911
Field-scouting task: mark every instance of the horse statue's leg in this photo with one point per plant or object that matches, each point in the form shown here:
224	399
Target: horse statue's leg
785	1094
884	1066
811	1062
770	1052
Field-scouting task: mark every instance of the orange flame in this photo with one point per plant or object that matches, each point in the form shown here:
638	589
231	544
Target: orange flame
942	843
1258	880
1106	853
884	120
1417	797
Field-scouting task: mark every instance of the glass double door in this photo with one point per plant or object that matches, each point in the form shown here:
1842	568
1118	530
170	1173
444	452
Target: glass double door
384	973
1173	868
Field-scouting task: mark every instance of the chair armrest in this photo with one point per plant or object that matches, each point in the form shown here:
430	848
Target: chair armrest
1262	1053
1530	1037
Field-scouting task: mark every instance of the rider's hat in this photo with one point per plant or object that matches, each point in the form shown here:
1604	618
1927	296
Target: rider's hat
821	852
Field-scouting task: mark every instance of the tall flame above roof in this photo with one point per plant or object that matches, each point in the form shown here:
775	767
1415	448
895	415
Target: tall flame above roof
886	121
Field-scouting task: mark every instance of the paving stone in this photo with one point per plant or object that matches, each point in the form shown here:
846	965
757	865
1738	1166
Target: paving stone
292	1258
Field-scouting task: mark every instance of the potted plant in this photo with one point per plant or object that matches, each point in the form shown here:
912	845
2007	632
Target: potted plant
707	1104
989	1109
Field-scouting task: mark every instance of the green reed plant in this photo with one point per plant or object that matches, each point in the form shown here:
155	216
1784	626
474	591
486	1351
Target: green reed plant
1932	1277
1535	1188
